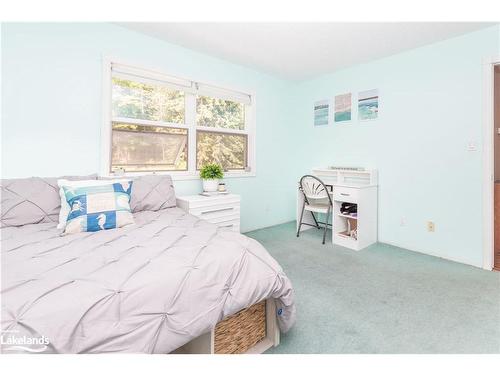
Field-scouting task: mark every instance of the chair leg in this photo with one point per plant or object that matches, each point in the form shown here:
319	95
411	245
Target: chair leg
301	216
315	221
326	224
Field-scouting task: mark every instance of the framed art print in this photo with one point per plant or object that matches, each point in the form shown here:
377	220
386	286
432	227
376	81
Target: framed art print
343	107
321	112
368	105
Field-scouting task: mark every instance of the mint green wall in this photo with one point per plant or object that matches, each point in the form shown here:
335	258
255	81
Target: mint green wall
430	108
53	109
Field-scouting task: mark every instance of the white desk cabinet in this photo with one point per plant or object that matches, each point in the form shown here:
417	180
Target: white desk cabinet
222	210
365	221
351	186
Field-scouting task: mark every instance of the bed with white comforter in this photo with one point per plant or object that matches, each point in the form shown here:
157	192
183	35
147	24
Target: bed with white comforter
147	288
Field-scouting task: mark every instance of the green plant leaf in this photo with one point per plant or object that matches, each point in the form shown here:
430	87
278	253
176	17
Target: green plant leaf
211	172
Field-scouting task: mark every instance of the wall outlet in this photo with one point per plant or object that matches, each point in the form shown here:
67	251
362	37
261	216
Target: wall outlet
402	222
430	226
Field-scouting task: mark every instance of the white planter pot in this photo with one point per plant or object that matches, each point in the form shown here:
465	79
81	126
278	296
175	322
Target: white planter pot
210	185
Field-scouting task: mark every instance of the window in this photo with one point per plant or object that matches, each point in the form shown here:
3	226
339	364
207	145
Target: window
136	100
219	113
223	147
227	149
161	123
148	148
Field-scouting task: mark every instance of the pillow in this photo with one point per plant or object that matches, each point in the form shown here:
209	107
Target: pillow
32	200
152	193
99	207
65	208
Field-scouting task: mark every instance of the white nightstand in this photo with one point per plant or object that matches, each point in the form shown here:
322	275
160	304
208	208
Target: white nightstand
223	210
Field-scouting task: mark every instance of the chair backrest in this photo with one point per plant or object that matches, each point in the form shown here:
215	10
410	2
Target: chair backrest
313	188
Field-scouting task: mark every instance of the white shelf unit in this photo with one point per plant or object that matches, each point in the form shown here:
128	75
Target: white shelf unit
347	177
222	210
365	221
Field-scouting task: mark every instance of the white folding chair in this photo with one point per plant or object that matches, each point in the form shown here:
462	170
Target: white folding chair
316	200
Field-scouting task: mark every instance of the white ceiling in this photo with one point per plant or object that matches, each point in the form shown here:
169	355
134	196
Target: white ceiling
300	51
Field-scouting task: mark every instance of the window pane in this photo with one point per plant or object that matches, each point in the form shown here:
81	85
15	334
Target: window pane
148	148
147	102
228	150
219	113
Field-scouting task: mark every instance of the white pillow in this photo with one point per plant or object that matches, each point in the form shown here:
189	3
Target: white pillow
65	208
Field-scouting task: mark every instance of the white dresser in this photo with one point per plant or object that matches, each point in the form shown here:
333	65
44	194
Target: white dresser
223	210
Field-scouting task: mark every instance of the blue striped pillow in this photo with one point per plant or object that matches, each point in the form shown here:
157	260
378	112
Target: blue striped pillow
95	208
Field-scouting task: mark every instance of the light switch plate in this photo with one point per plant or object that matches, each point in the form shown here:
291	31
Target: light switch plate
472	146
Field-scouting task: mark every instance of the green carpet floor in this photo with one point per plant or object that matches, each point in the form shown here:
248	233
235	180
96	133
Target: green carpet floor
382	299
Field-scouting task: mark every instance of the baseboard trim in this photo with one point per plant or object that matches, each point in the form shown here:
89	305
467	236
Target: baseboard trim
268	226
401	246
434	254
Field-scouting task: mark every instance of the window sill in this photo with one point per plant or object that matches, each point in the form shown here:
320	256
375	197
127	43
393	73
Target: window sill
183	176
196	176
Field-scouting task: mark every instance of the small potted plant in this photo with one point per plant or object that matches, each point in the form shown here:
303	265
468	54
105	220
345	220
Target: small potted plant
211	174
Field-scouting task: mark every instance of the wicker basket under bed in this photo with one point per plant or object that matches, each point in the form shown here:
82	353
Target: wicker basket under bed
241	331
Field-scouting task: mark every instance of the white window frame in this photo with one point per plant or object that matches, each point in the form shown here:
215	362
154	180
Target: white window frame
190	125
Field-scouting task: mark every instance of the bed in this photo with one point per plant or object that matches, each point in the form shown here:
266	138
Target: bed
164	283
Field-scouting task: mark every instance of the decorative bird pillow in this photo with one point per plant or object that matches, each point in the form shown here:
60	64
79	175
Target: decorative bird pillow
94	208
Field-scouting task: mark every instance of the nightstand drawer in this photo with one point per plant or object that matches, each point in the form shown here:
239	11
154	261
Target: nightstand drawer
231	224
214	211
222	210
220	220
213	201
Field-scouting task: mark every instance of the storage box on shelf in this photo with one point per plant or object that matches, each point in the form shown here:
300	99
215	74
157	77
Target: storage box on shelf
251	331
222	210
